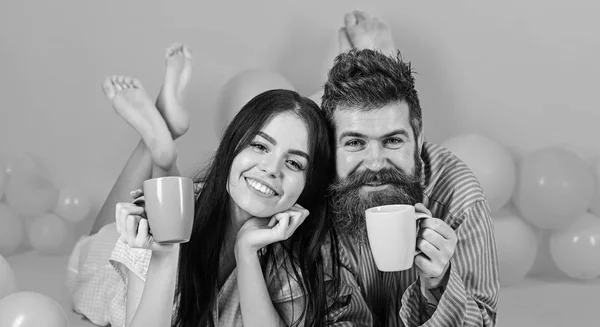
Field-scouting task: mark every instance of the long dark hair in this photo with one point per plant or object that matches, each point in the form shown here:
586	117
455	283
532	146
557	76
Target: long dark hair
199	258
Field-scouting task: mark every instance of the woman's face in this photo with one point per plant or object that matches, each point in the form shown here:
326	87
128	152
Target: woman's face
268	176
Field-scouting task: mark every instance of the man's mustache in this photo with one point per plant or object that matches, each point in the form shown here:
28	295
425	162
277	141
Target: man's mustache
358	179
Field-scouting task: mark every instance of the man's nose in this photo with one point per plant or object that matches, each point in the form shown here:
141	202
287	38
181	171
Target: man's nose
375	160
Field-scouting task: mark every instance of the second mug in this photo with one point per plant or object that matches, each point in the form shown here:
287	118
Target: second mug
392	232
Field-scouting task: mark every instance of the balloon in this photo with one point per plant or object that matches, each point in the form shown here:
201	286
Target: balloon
24	162
11	230
576	250
544	264
30	194
516	244
73	205
491	162
554	187
31	309
244	86
8	283
595	206
3	178
51	235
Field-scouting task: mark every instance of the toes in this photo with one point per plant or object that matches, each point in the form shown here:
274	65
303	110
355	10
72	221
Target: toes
350	20
121	82
118	86
108	88
136	83
125	82
361	15
187	52
173	49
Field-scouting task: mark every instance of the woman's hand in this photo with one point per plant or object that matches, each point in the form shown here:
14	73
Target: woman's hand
257	233
133	226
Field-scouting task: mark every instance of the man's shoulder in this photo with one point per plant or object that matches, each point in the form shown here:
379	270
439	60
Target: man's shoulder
440	164
449	182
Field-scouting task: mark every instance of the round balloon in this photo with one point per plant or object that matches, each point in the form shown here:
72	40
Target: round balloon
491	162
595	206
30	194
73	205
576	250
3	180
26	162
244	86
50	235
31	309
516	244
11	230
8	283
554	187
544	264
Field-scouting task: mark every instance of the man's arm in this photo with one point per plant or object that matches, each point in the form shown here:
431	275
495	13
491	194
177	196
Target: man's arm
470	295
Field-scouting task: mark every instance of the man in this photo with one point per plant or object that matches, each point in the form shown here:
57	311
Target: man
454	282
382	158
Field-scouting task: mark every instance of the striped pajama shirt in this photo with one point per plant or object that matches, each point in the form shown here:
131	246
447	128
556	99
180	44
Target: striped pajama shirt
453	194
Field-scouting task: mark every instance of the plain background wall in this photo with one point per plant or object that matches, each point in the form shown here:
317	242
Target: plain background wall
522	72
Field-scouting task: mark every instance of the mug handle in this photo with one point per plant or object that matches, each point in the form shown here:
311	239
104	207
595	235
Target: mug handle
418	216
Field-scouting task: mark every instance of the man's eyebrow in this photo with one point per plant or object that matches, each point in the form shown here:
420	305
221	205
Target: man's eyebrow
402	132
357	134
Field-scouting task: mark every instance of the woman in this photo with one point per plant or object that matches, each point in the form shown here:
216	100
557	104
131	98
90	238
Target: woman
254	256
273	161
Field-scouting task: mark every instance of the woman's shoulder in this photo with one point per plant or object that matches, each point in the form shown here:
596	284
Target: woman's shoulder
282	274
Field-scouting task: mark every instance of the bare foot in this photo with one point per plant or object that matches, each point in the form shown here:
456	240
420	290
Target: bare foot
130	100
178	71
367	32
345	44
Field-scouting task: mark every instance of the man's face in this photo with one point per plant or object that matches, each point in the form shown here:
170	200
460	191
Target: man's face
377	163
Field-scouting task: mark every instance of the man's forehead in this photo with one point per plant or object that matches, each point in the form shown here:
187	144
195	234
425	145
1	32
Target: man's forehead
390	117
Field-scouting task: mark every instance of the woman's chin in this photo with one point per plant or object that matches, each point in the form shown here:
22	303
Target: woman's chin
262	214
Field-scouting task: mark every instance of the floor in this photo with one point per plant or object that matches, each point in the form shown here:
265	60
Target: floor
534	302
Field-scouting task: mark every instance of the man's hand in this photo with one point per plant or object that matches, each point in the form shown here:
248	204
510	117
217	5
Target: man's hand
437	242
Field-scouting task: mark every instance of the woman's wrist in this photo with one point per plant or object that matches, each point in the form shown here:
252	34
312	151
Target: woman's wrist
167	253
244	251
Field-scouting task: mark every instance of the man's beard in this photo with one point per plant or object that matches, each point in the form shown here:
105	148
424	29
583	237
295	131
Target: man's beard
349	201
